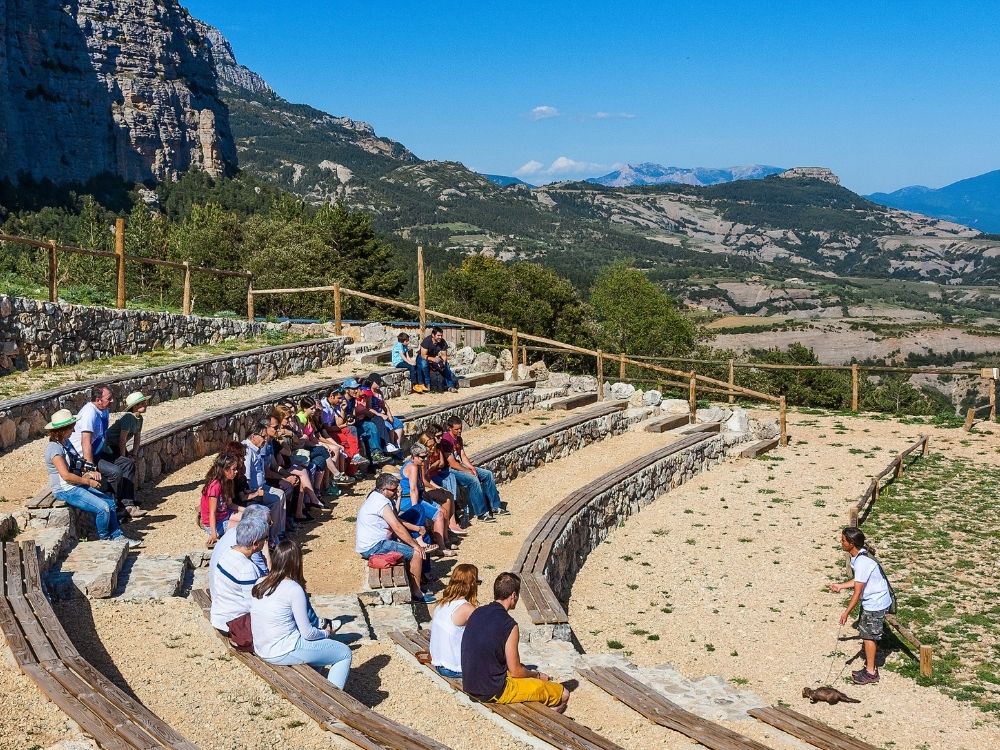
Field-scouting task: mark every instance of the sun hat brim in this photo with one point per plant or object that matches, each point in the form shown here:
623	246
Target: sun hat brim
60	424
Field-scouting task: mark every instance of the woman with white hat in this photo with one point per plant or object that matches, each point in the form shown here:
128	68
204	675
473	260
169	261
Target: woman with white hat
76	482
127	426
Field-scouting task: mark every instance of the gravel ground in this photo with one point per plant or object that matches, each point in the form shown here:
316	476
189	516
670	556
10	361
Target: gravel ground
750	550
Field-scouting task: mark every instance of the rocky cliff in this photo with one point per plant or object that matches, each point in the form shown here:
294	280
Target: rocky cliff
121	86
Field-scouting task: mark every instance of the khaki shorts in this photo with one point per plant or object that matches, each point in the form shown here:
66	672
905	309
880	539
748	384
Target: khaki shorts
527	689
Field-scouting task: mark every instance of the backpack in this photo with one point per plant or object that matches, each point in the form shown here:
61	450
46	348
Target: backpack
892	592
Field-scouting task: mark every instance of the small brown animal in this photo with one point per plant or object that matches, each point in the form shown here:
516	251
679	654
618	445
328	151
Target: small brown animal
828	695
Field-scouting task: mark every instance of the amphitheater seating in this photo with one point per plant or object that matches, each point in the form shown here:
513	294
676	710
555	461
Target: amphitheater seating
482	378
808	730
541	602
573	402
666	713
669	422
536	719
333	709
45	653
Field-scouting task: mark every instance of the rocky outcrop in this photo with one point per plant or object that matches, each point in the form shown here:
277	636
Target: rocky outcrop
812	173
125	87
231	74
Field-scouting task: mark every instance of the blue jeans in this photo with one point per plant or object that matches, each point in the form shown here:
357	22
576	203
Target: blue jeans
415	372
92	501
367	430
389	545
424	366
480	489
445	672
324	652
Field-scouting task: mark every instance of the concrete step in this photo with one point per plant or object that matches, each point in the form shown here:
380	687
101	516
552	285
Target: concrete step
374	357
480	378
91	568
570	402
152	576
669	422
759	448
347	611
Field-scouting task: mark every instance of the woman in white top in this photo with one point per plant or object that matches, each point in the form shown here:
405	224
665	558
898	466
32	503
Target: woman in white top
279	619
458	601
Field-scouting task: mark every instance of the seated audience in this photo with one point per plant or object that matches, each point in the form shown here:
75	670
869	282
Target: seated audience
380	531
404	358
491	662
279	619
434	358
390	427
76	482
127	426
327	461
357	411
281	456
416	512
228	540
334	427
217	497
287	484
477	482
458	601
437	478
118	476
235	573
258	490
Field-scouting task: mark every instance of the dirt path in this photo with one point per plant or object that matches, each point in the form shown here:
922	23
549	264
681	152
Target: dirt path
726	575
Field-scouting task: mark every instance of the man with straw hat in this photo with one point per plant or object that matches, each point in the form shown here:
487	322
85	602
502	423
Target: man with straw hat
127	427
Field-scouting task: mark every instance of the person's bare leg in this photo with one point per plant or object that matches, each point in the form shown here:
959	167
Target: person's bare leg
438	532
871	648
416	570
563	702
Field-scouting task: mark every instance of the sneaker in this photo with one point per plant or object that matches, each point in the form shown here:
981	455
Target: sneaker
132	543
391	448
380	458
486	518
359	459
453	390
343	479
425	598
419	388
863	677
502	511
134	511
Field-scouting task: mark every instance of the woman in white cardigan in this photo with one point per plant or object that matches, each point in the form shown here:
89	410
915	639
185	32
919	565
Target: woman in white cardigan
282	633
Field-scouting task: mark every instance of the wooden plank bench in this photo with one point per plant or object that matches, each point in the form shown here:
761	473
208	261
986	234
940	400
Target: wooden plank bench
808	730
480	378
669	422
759	448
541	603
536	719
334	710
660	710
573	402
44	652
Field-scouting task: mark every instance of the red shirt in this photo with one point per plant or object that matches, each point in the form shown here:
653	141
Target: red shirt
213	490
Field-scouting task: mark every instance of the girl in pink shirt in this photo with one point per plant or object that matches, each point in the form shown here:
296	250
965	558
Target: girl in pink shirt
217	497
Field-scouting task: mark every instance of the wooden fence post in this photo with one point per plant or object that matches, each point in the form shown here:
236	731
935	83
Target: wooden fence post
187	288
927	445
421	291
783	420
513	353
732	380
250	311
992	387
524	355
926	668
600	375
970	418
53	271
855	387
120	258
621	367
338	323
693	398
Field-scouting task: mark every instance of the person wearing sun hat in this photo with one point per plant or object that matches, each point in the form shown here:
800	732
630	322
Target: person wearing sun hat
127	426
76	481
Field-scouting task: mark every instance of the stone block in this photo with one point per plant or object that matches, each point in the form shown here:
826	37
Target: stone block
92	568
622	390
151	577
652	398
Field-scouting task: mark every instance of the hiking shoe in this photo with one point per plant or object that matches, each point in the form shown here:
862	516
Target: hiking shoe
359	459
380	458
863	677
419	388
134	511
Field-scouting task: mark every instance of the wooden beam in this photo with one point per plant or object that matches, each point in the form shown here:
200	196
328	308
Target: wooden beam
693	398
970	418
926	666
120	260
422	292
855	388
783	421
53	271
732	379
621	367
250	310
600	375
187	288
338	322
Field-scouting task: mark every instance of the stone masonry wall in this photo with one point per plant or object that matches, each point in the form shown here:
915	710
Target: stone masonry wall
592	523
46	334
24	418
477	413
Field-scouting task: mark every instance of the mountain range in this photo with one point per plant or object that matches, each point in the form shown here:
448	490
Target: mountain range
974	202
647	173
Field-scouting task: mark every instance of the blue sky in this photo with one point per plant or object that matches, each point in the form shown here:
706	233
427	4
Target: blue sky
887	94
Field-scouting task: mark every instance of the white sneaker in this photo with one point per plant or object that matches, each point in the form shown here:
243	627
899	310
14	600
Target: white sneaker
359	459
391	448
132	543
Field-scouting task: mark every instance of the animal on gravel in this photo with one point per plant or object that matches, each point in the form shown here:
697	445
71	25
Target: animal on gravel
827	695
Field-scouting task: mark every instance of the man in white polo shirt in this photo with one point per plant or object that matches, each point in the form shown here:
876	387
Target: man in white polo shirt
235	573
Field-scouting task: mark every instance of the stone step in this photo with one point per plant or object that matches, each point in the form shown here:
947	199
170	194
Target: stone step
374	356
669	422
546	393
571	402
90	568
759	448
152	576
700	427
480	378
360	347
53	541
347	611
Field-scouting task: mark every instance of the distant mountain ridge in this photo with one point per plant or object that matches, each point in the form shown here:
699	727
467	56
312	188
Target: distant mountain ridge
974	202
648	173
505	181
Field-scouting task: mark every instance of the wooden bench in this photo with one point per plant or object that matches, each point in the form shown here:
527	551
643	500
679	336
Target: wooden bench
542	604
808	730
334	710
536	719
45	653
481	378
660	710
573	402
759	448
669	422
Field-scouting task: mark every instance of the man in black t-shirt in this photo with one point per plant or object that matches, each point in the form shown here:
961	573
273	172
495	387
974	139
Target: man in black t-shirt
491	663
434	357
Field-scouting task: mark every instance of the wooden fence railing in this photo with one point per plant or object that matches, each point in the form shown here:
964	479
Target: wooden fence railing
118	255
859	511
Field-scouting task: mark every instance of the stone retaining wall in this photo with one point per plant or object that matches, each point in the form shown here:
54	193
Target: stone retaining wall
525	458
495	409
591	524
44	334
24	418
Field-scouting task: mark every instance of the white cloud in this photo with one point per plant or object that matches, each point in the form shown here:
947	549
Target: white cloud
543	112
561	167
612	116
